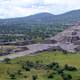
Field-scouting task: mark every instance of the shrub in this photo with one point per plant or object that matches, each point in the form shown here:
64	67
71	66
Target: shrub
50	76
70	68
12	76
53	65
69	76
60	71
26	68
34	77
25	76
66	77
29	64
19	72
64	52
7	60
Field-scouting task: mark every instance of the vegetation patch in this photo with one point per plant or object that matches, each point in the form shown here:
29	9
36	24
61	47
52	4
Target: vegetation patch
45	66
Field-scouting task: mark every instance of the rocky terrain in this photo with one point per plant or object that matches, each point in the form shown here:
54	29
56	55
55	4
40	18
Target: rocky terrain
69	39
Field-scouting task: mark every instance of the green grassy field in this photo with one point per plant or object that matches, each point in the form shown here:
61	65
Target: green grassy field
15	66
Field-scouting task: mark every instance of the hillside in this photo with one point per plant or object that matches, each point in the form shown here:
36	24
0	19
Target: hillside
42	18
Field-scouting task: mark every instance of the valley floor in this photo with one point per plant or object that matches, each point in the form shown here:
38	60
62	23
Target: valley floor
34	66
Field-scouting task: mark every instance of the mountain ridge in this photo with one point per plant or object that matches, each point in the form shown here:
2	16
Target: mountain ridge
46	18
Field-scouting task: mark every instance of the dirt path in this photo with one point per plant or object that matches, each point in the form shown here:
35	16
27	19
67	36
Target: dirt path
34	48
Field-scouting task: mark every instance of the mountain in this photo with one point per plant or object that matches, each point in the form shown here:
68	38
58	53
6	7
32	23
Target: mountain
44	18
69	17
41	18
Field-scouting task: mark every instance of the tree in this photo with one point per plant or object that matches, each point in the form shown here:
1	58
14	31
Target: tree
7	60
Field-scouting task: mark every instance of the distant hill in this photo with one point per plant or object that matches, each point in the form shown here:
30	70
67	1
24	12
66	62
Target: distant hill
45	18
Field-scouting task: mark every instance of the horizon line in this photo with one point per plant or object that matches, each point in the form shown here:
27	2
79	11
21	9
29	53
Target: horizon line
41	13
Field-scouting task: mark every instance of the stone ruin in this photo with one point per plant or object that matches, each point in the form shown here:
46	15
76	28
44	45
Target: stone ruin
69	39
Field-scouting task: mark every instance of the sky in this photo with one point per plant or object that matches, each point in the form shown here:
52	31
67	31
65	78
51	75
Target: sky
21	8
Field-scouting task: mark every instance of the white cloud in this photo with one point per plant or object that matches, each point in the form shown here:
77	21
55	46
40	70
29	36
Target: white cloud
62	1
17	8
61	6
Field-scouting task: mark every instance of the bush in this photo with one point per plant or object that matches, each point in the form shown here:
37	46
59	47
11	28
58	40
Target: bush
7	60
53	65
64	52
26	68
12	76
25	76
19	72
70	68
69	76
60	71
50	76
66	77
29	64
34	77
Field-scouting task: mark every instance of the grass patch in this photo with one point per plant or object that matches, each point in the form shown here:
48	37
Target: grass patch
14	68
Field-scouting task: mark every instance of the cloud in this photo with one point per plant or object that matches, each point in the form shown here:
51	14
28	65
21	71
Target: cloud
19	8
61	6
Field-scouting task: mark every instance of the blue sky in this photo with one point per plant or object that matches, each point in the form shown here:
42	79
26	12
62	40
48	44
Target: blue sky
20	8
